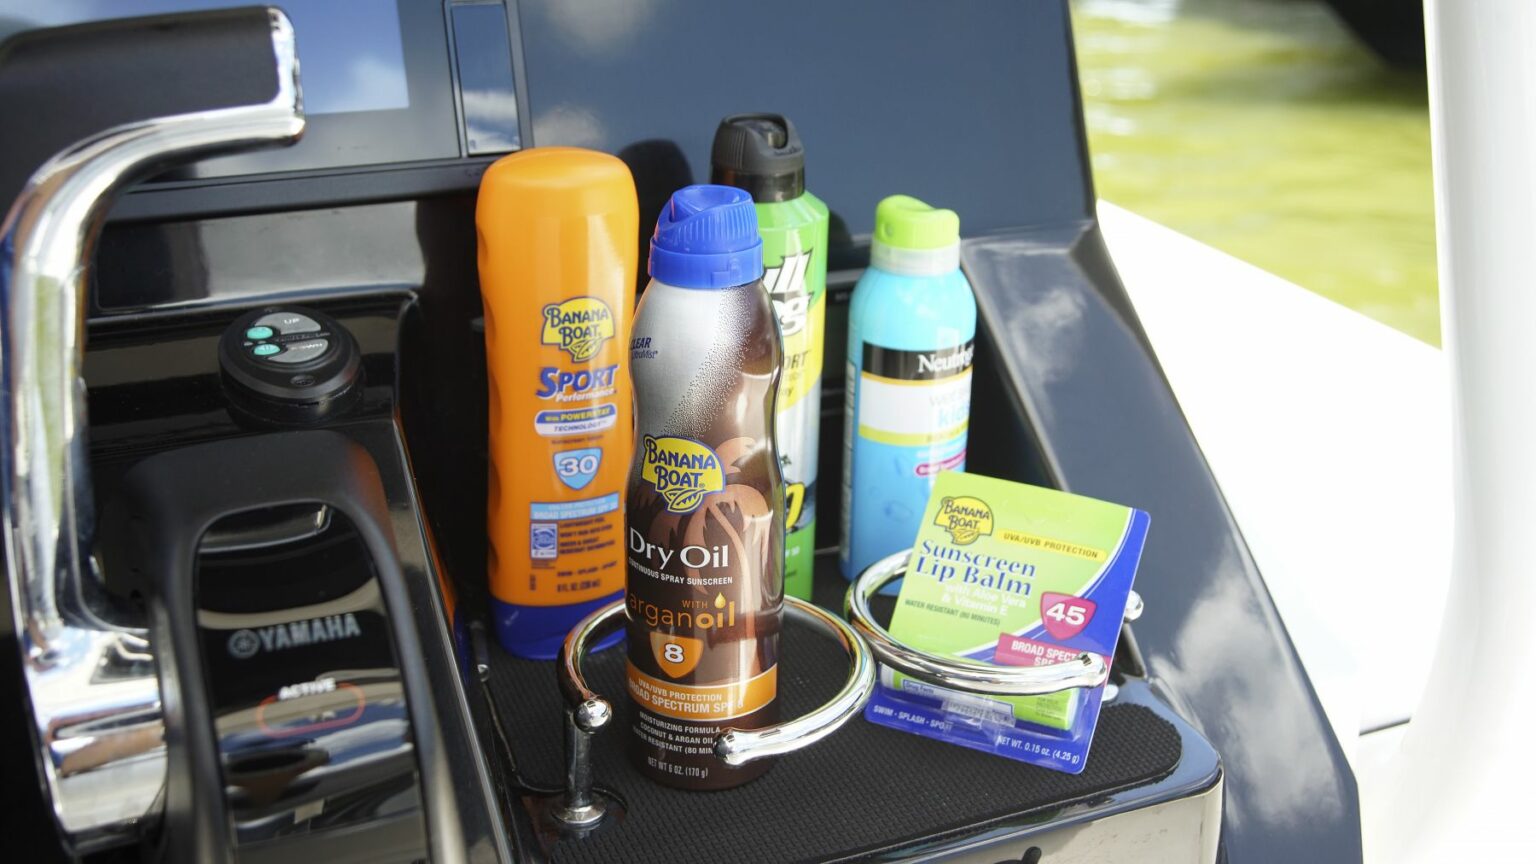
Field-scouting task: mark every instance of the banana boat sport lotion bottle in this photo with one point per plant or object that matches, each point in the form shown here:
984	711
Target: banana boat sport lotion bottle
556	230
705	507
911	337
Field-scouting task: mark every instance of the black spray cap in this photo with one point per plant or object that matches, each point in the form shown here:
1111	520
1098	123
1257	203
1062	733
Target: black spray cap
760	153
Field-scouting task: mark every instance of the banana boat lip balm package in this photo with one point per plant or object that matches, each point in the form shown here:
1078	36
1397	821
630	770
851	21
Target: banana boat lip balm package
1011	574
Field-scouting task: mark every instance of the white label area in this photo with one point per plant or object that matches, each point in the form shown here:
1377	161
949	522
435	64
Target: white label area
575	421
913	413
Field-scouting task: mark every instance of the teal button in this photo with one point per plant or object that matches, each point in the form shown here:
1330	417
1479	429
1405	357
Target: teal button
265	350
259	333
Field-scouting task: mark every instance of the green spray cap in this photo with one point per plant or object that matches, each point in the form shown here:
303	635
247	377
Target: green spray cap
907	223
912	237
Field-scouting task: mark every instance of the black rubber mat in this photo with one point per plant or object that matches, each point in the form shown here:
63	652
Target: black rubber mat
865	788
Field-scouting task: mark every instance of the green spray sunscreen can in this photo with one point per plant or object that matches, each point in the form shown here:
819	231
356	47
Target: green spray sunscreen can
761	153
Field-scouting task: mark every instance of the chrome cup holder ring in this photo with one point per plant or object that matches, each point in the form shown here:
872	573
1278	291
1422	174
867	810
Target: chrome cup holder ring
1085	670
581	808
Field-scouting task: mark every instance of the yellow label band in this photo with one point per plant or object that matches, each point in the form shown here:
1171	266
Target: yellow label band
1048	544
913	439
803	354
704	703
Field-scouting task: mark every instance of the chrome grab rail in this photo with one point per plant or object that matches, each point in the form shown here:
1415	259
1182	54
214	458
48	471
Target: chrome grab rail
94	695
586	712
1086	670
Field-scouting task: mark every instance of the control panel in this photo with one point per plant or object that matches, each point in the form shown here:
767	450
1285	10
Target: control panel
289	365
287	338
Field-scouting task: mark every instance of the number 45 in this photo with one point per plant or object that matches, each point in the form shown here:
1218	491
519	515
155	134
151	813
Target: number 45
1073	615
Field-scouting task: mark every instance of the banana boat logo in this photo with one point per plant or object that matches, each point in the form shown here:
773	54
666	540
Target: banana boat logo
579	326
682	470
965	518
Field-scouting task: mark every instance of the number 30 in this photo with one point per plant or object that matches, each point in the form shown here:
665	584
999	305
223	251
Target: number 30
570	465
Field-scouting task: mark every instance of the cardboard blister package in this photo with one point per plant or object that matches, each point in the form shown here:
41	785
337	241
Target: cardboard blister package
1011	574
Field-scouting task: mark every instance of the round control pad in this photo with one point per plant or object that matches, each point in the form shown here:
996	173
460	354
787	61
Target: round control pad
288	337
287	364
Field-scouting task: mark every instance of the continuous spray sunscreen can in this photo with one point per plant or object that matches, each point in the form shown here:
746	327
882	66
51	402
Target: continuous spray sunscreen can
557	272
911	337
762	154
705	520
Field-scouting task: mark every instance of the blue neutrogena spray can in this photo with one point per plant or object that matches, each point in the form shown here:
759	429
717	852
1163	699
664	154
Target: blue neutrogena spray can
911	338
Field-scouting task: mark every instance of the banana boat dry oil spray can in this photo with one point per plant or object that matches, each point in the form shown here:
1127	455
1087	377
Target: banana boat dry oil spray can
557	231
705	510
762	154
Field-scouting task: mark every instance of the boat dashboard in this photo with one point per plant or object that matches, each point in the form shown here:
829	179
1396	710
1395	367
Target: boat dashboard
345	540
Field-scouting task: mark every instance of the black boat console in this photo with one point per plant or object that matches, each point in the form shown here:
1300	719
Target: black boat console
282	606
247	557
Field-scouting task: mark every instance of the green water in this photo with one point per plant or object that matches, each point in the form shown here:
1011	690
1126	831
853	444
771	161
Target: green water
1262	128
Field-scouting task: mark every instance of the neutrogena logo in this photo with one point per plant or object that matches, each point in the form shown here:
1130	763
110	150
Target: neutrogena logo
951	360
245	644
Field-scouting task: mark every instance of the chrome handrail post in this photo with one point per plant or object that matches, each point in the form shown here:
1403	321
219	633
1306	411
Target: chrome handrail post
101	753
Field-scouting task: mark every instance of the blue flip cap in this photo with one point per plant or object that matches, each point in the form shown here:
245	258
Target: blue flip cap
706	237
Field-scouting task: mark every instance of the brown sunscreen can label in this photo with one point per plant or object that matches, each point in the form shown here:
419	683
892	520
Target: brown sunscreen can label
704	531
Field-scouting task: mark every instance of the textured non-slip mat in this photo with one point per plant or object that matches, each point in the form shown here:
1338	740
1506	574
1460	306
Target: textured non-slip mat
865	788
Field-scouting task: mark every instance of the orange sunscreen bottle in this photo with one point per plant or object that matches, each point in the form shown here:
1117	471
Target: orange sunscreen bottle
557	229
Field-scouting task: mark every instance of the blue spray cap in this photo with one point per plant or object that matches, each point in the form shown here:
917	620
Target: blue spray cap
706	237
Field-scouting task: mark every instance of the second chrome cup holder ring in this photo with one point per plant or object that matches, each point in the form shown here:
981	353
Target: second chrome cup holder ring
580	808
1085	670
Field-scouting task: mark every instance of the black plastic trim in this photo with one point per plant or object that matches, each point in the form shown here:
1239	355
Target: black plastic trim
172	499
300	190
